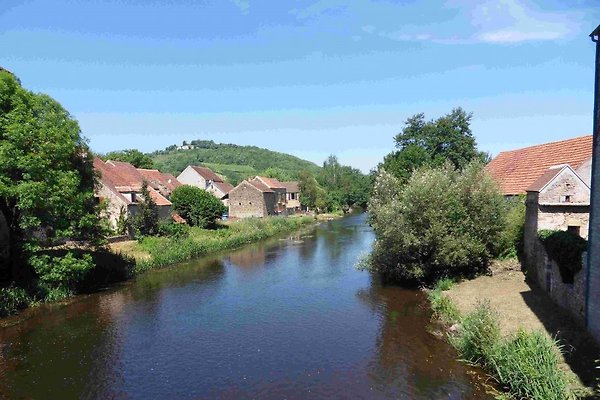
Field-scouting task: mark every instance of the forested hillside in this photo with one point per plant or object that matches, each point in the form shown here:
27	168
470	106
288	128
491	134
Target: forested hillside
230	160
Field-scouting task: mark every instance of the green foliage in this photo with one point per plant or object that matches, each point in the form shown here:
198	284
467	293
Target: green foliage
566	249
59	275
132	156
122	222
444	284
198	207
479	333
167	251
278	173
225	159
446	139
528	365
512	238
442	222
312	195
344	185
145	221
173	229
443	308
46	173
13	299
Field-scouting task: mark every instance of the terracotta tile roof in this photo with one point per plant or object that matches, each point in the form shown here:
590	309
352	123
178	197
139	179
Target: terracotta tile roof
207	174
291	187
272	183
108	178
224	187
516	170
163	182
260	186
127	173
158	198
545	179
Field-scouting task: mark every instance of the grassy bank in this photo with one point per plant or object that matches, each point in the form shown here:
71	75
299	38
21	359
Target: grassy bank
525	364
155	252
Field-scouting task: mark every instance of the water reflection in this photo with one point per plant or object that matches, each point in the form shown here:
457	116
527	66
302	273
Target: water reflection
286	318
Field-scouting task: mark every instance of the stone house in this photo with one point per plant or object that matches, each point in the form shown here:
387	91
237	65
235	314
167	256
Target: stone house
293	197
516	170
280	193
252	198
206	179
119	188
555	177
557	200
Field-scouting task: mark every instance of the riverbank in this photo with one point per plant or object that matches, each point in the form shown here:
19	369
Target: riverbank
125	260
157	251
518	306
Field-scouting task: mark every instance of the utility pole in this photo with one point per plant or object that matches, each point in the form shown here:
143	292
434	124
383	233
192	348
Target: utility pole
592	314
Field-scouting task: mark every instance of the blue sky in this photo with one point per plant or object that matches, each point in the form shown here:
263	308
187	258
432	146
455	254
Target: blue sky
309	78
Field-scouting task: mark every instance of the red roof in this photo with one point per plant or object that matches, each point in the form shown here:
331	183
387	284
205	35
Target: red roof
163	182
260	186
207	174
516	170
272	183
291	187
224	187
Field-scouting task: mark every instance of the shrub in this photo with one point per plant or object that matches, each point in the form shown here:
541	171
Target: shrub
478	336
198	207
442	222
511	240
13	299
145	221
172	229
566	249
528	365
58	275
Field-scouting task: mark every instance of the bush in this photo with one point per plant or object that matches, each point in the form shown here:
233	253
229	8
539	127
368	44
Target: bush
145	221
59	275
442	222
13	299
512	238
528	365
198	207
566	249
478	336
173	229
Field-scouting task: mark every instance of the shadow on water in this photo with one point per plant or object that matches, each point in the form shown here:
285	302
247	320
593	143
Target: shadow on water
286	318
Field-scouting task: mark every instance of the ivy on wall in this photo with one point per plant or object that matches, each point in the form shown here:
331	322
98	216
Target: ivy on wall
566	249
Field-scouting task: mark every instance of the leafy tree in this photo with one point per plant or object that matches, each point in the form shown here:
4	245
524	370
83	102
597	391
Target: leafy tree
46	172
198	207
132	156
278	173
441	222
145	221
446	139
345	186
312	194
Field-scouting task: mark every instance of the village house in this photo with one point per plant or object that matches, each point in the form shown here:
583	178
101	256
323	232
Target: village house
252	198
292	197
555	177
120	185
206	179
280	193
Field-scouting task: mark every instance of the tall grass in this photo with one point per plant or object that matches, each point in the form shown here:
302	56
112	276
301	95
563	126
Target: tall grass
526	365
166	251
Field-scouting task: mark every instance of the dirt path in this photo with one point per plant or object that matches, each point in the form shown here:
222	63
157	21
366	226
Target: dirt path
523	305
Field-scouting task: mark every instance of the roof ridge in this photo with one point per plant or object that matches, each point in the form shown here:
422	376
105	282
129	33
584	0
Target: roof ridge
546	144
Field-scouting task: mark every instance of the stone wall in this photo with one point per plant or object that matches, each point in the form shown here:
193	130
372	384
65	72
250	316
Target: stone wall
546	274
566	184
246	201
561	217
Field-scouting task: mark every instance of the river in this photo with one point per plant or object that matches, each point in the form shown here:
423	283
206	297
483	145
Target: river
289	318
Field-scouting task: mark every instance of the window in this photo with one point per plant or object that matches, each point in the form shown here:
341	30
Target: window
566	198
576	230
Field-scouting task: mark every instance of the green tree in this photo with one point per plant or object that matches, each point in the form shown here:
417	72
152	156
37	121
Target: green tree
441	222
145	221
278	173
198	207
46	173
312	194
132	156
446	139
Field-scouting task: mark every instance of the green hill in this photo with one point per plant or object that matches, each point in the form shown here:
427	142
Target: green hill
230	160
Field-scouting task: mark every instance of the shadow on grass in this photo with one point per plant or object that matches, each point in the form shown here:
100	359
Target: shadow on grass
580	348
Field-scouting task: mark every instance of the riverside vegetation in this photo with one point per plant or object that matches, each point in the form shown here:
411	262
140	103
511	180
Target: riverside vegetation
47	184
525	365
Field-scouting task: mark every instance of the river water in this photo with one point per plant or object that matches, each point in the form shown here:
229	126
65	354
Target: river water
289	318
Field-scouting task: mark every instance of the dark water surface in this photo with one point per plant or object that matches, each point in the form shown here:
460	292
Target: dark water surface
285	319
